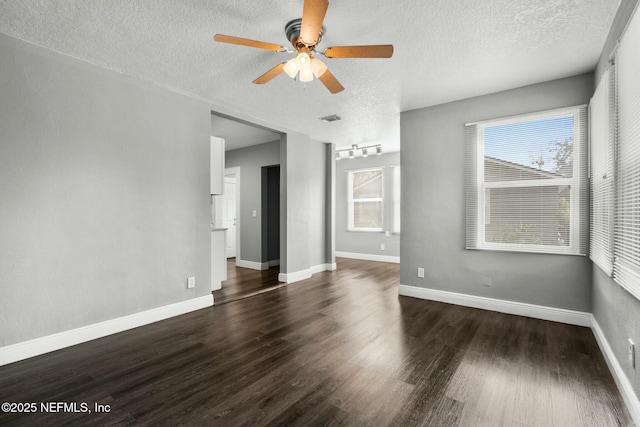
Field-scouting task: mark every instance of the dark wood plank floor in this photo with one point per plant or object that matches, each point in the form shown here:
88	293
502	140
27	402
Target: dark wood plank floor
244	283
338	349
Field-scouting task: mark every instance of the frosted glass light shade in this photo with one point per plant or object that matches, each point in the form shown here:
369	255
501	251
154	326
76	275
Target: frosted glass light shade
307	66
291	68
303	60
306	75
318	67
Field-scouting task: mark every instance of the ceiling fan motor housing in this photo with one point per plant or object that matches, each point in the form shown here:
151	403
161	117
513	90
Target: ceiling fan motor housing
292	30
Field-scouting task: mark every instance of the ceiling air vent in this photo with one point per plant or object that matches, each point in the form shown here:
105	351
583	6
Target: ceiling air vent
331	118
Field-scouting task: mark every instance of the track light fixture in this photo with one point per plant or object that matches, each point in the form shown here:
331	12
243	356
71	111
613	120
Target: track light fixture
365	151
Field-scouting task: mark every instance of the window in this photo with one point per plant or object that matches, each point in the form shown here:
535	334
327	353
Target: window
526	188
365	200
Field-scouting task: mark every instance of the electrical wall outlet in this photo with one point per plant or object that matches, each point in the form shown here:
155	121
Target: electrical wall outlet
421	273
382	246
632	353
191	282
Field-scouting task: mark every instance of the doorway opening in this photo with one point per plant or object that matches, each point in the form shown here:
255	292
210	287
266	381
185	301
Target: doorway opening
271	215
252	223
244	282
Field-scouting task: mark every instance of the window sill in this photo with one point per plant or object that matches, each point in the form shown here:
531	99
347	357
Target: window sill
528	251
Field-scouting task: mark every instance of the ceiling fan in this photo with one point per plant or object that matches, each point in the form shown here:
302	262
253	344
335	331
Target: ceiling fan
304	34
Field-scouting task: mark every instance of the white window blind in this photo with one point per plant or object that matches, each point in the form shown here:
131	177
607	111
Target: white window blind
627	216
365	200
601	121
526	183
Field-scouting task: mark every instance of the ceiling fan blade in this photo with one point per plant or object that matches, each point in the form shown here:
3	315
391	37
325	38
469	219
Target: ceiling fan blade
247	42
373	51
275	71
331	82
313	13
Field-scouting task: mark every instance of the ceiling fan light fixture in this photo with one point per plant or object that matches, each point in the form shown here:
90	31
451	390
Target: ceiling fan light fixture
291	68
301	63
303	60
305	34
318	67
306	75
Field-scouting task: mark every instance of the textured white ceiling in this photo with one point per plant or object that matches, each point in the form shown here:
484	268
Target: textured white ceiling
444	50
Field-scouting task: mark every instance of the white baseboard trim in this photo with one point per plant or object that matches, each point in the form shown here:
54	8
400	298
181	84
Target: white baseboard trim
305	274
570	317
369	257
322	267
274	263
35	347
295	276
252	264
625	387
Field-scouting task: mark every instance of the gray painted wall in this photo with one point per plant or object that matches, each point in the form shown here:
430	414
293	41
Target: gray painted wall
330	204
294	199
616	310
433	205
303	187
359	241
104	189
250	160
317	200
618	315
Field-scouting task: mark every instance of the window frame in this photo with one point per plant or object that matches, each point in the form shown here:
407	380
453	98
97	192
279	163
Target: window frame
575	184
351	201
